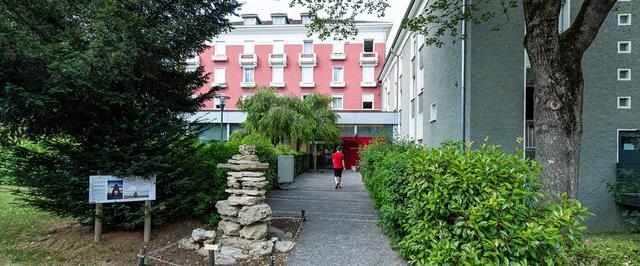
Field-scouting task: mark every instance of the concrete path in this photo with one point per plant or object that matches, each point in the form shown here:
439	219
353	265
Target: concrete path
341	226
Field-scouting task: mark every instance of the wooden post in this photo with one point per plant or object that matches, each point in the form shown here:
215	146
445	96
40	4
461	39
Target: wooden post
141	257
98	224
147	221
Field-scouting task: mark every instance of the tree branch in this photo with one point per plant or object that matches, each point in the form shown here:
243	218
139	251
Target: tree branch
587	24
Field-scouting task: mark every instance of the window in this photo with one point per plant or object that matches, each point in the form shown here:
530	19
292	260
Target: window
305	19
304	96
279	20
221	48
563	17
413	108
624	47
368	46
367	101
246	96
307	74
338	47
247	76
367	74
624	74
307	47
414	48
624	102
624	19
277	75
338	75
433	112
278	47
336	101
249	47
250	21
219	75
420	103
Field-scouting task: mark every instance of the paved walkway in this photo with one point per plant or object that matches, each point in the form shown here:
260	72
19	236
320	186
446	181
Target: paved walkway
341	226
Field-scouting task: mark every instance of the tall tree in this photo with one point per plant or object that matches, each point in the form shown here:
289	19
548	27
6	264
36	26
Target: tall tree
555	61
288	118
101	85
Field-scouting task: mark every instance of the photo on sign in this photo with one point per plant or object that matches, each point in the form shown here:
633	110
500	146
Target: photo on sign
115	189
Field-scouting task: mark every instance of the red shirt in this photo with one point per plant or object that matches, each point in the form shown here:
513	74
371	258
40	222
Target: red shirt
337	160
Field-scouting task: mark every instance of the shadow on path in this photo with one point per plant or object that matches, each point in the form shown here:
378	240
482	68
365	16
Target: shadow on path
341	226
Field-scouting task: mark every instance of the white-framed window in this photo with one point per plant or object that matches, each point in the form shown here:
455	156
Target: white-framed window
420	103
413	108
624	102
307	74
278	47
307	46
624	19
304	95
221	48
277	74
219	75
337	101
414	46
250	21
563	17
337	75
624	47
246	96
368	46
337	47
367	101
624	74
433	112
279	94
247	75
367	74
249	47
305	19
279	20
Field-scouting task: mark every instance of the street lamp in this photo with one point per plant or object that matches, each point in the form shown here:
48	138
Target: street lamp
221	99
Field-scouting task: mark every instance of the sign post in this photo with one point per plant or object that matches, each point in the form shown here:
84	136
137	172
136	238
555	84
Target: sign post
108	189
97	234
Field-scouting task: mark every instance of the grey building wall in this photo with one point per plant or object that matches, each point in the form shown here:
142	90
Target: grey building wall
442	73
495	72
602	118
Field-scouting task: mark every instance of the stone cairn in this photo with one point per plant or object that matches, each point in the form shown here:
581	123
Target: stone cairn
246	217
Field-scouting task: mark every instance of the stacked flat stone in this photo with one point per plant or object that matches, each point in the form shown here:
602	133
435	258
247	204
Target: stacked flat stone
245	215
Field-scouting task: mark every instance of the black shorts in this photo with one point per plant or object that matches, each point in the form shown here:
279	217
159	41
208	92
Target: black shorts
337	172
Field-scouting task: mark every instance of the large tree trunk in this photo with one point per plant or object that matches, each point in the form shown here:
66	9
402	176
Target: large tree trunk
558	85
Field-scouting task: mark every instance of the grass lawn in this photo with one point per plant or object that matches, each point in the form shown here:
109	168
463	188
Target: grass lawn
22	225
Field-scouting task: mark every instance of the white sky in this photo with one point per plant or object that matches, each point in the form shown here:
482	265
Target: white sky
265	7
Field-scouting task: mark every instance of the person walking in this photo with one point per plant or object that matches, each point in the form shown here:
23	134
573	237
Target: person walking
338	166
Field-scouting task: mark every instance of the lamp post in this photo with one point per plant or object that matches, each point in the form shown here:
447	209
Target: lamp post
222	99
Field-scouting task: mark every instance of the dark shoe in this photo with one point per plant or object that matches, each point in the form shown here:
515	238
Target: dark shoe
337	185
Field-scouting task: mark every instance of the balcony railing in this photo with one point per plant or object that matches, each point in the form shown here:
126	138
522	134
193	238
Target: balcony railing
219	57
278	60
193	63
628	183
248	60
368	58
307	59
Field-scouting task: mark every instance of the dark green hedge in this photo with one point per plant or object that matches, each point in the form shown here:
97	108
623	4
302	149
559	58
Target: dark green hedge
446	206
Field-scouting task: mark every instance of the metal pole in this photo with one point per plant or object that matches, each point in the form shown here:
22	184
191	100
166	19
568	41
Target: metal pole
147	221
141	256
221	117
98	224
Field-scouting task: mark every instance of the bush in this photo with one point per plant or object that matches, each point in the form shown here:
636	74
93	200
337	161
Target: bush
7	160
450	206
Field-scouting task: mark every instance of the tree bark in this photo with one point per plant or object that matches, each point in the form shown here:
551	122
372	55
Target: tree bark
558	86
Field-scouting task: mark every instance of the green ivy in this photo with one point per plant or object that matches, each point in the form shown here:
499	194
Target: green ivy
448	206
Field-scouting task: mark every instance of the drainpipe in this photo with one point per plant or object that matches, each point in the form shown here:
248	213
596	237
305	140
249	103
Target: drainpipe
463	96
